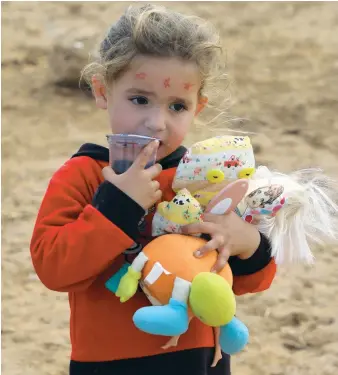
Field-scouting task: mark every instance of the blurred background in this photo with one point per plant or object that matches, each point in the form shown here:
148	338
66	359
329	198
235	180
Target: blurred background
282	61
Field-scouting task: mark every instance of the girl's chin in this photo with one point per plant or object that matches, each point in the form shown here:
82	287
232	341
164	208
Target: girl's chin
163	151
160	154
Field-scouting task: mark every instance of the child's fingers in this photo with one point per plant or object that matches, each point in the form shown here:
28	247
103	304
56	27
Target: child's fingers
158	195
222	259
154	171
196	228
143	158
211	245
155	185
213	218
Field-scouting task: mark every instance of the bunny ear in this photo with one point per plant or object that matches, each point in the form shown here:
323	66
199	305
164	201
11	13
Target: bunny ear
228	198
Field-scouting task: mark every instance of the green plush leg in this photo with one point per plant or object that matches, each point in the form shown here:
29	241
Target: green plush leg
129	282
113	283
128	285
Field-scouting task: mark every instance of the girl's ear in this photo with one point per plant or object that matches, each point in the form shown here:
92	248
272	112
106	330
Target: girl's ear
99	90
202	102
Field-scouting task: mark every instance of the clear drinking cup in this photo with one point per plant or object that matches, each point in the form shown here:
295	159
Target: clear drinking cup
124	149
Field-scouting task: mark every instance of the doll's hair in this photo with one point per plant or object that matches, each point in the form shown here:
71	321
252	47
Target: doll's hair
308	218
156	31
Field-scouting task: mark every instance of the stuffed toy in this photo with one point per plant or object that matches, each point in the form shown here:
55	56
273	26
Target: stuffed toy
218	175
189	289
308	196
170	216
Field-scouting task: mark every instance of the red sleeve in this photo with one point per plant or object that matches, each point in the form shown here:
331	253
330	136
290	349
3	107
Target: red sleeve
256	282
72	242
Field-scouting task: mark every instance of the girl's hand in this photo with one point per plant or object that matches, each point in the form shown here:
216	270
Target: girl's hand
230	235
137	182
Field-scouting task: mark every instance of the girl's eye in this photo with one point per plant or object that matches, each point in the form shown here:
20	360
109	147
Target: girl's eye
178	107
140	100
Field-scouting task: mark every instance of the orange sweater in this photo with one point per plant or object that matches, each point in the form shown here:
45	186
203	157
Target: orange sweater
76	248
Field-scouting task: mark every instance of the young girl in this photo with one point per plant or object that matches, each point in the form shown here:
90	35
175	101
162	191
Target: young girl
151	79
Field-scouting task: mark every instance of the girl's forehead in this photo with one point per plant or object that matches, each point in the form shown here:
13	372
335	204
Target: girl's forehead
144	67
167	77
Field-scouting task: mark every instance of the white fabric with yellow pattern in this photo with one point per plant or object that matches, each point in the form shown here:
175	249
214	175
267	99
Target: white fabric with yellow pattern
210	165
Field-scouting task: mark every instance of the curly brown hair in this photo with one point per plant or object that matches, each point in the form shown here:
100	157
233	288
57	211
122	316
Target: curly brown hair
156	31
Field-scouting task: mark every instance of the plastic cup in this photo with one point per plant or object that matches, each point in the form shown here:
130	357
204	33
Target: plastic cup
124	149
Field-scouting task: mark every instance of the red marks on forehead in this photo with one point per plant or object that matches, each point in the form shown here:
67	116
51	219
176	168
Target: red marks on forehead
140	75
188	86
166	82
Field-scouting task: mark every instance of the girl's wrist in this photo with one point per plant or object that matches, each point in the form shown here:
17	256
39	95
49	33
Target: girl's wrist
256	260
252	242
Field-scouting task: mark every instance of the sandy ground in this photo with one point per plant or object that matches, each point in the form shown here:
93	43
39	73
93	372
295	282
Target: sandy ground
283	64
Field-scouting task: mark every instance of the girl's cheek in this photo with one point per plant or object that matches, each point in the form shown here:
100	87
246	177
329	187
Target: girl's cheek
186	124
179	135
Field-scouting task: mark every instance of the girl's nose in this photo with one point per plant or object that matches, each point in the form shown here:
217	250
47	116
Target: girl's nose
156	121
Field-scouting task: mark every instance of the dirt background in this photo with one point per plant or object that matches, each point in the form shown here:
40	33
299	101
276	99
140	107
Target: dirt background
283	64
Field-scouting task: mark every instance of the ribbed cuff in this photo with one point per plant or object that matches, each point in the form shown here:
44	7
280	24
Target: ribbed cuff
259	260
119	208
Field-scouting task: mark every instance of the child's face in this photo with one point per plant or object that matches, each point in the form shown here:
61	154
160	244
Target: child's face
156	97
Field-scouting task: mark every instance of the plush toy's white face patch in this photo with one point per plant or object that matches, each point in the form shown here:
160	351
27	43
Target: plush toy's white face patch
181	200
